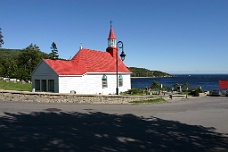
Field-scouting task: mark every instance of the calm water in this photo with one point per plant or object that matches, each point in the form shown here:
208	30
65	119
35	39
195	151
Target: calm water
206	81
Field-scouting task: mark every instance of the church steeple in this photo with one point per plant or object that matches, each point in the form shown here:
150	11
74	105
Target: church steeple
111	37
111	42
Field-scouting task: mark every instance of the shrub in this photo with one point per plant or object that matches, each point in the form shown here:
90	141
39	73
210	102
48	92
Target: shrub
196	92
134	91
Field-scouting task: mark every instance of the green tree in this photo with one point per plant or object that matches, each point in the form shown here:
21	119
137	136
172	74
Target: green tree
176	85
28	60
185	86
16	63
2	68
33	47
10	68
23	74
54	52
155	85
1	38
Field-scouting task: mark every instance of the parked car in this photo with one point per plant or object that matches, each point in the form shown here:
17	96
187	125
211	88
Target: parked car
224	92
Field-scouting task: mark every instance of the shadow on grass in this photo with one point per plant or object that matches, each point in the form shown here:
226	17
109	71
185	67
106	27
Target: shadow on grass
68	132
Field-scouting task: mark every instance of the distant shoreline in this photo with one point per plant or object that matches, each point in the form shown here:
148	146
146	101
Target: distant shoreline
153	77
143	77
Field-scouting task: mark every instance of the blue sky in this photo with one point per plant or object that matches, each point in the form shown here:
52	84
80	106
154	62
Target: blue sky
174	36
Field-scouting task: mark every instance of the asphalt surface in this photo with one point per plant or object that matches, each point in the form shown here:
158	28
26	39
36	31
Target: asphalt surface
198	124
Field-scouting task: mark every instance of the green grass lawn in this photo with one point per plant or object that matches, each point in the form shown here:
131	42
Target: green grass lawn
15	86
149	101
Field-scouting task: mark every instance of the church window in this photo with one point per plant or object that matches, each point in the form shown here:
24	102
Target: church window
120	80
104	81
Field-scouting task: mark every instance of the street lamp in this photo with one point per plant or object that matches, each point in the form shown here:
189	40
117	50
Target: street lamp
122	56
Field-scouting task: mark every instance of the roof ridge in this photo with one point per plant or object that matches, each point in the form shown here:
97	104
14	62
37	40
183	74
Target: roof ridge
86	60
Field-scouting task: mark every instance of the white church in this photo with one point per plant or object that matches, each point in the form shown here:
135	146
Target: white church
88	72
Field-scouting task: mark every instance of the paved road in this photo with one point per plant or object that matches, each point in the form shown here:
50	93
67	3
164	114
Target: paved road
199	124
206	111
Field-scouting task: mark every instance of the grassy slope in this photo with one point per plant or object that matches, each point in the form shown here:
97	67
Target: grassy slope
15	86
150	101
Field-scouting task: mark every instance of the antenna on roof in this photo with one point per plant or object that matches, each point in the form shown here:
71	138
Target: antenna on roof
80	47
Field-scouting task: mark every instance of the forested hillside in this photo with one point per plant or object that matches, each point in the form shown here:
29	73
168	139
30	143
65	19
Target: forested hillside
9	53
142	72
15	63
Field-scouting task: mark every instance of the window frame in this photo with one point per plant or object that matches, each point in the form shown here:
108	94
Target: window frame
120	80
104	81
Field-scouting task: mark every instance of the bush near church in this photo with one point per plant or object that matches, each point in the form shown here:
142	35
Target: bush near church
196	92
134	91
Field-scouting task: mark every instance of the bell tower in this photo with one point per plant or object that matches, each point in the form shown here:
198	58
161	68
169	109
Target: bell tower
111	37
111	42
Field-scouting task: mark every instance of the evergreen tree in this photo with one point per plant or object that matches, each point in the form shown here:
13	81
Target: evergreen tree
33	47
1	38
54	52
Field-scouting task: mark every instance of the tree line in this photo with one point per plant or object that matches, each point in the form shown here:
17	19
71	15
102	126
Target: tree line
19	63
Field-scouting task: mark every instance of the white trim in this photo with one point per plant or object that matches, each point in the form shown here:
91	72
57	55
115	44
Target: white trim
96	73
70	75
108	72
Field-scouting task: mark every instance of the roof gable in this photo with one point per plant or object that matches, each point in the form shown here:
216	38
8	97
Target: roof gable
43	68
87	61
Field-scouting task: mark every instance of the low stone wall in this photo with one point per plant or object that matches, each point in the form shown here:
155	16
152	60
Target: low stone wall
23	96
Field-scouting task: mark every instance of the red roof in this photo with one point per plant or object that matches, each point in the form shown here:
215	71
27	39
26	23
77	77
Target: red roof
87	61
111	34
223	84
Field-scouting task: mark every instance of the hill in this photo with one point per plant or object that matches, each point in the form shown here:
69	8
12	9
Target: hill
142	72
19	63
10	53
15	53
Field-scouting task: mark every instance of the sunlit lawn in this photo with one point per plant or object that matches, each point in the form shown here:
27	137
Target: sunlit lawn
15	86
150	101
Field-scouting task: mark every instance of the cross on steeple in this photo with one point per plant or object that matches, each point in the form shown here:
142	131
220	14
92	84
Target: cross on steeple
110	23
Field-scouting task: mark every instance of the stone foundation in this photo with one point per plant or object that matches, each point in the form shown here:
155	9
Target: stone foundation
23	96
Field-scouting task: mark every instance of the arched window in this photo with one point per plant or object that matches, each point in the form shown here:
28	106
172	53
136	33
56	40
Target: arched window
120	80
104	81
